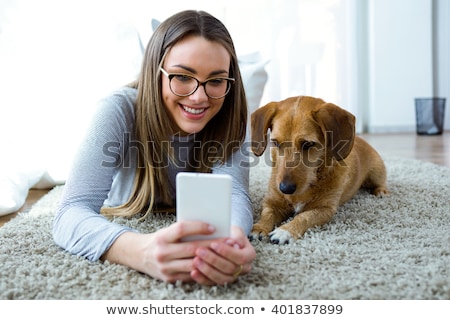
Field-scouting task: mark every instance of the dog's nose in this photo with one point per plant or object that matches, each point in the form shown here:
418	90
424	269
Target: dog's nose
287	188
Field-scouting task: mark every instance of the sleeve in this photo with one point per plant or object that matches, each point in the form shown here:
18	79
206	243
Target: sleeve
78	226
238	166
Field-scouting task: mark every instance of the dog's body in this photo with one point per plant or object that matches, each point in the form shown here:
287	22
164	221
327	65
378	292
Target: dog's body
318	164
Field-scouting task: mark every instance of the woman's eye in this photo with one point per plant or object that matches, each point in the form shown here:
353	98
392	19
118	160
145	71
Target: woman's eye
216	82
182	78
275	143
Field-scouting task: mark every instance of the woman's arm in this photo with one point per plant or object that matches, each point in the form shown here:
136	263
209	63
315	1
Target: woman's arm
78	226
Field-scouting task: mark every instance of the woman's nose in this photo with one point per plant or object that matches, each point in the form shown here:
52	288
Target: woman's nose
199	95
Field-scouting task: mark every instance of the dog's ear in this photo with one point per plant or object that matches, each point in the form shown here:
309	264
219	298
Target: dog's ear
261	122
338	128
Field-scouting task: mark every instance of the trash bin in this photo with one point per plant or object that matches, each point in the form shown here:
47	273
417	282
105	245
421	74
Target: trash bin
430	115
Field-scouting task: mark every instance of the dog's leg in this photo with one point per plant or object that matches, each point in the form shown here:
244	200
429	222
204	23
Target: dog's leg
295	228
271	216
376	179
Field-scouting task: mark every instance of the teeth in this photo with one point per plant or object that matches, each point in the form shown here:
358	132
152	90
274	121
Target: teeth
193	111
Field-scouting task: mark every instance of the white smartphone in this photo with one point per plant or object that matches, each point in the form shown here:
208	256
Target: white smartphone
204	197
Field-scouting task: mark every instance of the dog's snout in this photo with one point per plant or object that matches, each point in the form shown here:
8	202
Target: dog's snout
287	188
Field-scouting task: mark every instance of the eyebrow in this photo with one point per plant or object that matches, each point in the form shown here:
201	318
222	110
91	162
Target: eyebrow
189	69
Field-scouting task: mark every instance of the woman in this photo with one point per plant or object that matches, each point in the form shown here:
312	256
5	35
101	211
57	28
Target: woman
185	112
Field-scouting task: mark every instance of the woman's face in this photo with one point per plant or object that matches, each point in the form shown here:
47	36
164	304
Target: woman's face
202	59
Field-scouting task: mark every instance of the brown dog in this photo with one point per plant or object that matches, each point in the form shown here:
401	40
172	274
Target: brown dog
317	165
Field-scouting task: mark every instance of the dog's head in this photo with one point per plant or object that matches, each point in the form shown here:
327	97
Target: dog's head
306	134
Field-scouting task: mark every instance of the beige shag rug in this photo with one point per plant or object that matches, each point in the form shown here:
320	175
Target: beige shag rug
397	247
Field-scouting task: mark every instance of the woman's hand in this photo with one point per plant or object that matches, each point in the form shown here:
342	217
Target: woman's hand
224	260
161	254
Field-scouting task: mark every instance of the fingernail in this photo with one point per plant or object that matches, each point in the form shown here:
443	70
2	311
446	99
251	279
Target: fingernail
230	242
211	228
214	245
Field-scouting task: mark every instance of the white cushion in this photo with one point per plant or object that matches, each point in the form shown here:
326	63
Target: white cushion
14	187
254	76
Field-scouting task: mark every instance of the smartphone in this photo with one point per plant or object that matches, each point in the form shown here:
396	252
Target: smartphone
204	197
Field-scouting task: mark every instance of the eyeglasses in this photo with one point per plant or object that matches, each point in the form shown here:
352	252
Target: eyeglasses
184	85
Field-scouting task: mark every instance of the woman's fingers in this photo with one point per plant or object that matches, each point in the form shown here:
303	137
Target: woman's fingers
167	246
210	273
221	263
175	270
235	254
200	278
179	230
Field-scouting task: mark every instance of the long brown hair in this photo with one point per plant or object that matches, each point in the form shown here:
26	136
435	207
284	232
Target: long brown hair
223	134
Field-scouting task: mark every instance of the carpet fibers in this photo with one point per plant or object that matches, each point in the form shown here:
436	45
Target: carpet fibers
396	247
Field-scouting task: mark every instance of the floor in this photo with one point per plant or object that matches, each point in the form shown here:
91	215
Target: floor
435	149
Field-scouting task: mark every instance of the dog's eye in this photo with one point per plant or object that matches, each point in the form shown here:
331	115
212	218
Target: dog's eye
275	143
307	144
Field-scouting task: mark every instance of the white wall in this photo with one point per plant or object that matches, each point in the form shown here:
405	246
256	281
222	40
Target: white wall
442	54
400	62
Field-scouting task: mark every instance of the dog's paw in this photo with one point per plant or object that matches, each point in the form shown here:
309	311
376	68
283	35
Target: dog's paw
280	236
259	231
380	192
256	236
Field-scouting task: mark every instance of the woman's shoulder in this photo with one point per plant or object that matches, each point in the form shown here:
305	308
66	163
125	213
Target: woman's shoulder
115	112
119	103
123	98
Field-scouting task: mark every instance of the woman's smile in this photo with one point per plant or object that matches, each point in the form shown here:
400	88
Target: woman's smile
190	111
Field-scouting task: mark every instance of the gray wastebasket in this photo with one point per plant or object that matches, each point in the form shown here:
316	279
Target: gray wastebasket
430	115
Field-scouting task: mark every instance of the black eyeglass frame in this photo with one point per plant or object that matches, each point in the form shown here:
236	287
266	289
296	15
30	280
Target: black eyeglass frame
230	82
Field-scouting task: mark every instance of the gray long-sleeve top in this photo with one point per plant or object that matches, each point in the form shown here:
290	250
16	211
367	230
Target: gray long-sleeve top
103	172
